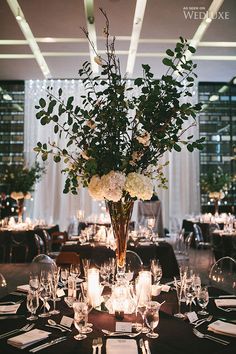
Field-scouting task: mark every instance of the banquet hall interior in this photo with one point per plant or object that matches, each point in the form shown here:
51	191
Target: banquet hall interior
118	176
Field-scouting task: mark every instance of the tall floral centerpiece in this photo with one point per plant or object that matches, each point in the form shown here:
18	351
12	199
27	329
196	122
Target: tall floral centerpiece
216	183
117	135
19	181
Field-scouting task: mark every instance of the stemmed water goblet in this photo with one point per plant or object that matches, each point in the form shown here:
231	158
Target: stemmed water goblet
32	303
203	299
87	327
45	292
151	316
80	317
105	273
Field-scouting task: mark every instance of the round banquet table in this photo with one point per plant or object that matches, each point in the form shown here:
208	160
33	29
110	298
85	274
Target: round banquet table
175	335
163	251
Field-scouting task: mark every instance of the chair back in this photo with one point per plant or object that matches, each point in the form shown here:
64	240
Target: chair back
67	258
223	274
39	244
197	234
133	262
48	241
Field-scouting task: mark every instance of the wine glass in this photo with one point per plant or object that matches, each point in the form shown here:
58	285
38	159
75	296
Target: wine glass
32	303
45	292
179	287
84	291
156	271
33	282
75	270
86	264
151	316
64	276
190	292
203	299
196	283
80	316
105	273
53	291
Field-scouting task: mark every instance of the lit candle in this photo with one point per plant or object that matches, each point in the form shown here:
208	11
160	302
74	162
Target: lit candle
144	286
94	290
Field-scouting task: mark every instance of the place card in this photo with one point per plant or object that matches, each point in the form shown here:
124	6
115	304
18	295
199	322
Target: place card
60	292
192	316
165	288
123	327
66	321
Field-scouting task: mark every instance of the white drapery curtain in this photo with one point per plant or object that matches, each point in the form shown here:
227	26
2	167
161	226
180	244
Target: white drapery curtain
50	204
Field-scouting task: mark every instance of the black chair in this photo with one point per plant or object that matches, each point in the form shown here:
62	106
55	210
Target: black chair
133	262
19	250
39	244
199	239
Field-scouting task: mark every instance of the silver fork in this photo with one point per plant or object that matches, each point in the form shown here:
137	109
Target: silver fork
200	321
26	328
119	334
95	345
99	344
207	336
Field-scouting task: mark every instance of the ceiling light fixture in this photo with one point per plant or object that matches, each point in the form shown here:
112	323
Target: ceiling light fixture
25	28
137	26
18	16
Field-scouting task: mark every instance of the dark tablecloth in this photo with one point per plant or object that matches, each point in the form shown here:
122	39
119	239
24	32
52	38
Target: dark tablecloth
23	237
175	336
163	251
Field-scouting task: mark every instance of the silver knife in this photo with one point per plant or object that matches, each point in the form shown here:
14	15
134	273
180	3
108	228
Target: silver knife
48	344
146	343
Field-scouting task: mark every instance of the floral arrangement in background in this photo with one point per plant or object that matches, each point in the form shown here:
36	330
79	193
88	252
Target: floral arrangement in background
18	181
216	183
116	137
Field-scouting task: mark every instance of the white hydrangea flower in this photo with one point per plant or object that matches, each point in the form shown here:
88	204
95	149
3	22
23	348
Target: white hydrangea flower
139	186
95	188
113	185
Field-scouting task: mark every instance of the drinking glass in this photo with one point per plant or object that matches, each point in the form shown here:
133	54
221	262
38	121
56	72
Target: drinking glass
86	264
84	290
156	271
32	303
75	270
141	309
203	299
64	276
190	292
45	293
33	282
105	273
53	291
151	316
179	287
80	316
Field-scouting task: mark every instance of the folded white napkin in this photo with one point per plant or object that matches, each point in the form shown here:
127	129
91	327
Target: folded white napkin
24	288
225	302
144	243
124	346
222	327
9	309
69	243
26	339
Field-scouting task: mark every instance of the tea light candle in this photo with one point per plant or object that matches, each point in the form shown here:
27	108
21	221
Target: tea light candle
94	290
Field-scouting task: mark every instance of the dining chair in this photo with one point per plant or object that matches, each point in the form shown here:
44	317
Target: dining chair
58	239
134	262
223	274
39	244
199	239
19	249
67	258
